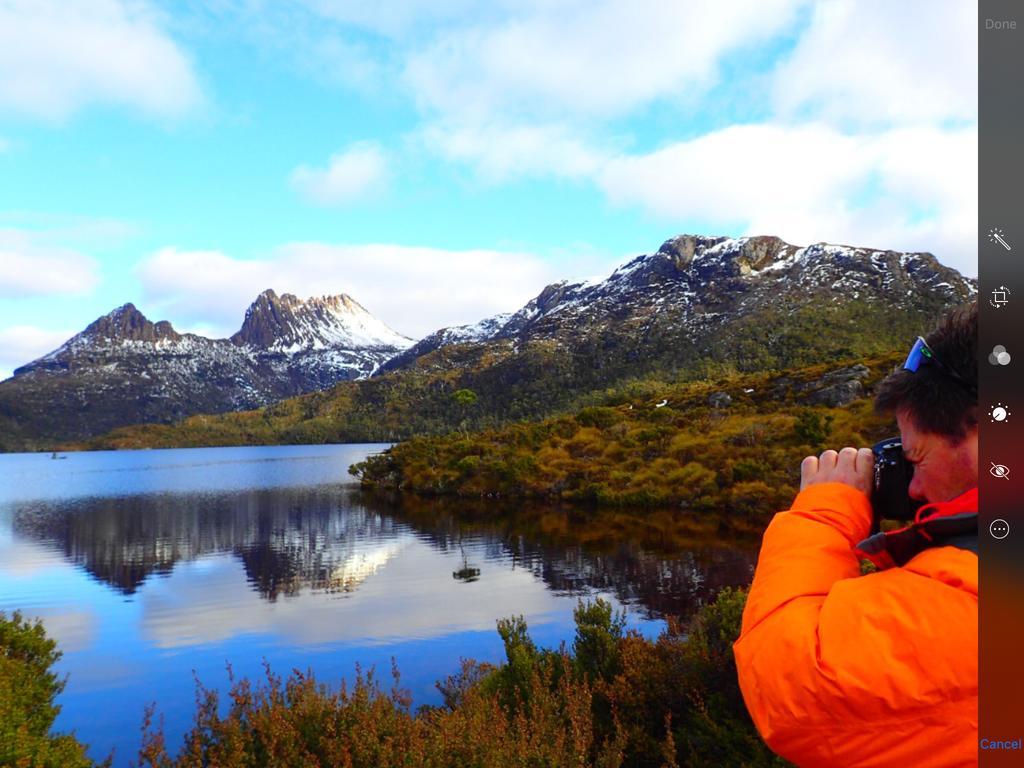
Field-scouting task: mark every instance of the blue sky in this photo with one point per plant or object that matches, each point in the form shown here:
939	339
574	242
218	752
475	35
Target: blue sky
442	161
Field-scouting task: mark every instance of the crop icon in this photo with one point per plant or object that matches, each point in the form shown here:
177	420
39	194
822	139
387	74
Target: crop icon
1000	297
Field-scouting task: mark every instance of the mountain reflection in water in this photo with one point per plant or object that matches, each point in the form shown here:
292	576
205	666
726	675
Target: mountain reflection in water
330	539
155	568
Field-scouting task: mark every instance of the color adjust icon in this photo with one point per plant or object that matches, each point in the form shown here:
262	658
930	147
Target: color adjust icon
999	470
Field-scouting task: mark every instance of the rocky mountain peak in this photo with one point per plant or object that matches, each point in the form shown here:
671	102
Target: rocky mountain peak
680	250
288	323
695	283
126	323
712	256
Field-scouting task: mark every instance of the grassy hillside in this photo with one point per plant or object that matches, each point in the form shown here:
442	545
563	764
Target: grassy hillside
540	379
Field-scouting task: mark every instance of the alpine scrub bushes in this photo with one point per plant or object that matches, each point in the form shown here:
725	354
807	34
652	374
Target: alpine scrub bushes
670	447
614	699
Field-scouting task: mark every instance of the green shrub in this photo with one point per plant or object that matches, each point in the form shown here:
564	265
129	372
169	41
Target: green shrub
717	729
28	689
598	416
813	428
752	499
598	633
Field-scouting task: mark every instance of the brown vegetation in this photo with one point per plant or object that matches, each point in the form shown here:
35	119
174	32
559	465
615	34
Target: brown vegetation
613	699
627	451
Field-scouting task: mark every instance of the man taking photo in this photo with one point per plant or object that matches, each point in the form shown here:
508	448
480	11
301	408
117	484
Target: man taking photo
840	669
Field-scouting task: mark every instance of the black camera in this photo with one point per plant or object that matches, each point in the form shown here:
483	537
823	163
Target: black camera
890	499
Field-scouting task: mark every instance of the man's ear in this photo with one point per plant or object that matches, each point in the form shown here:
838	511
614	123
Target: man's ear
969	446
971	418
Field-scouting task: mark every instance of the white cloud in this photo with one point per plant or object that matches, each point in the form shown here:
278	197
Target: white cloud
867	62
815	183
27	560
64	228
500	151
306	37
31	266
337	60
862	114
75	630
415	290
57	57
587	58
360	171
20	344
393	18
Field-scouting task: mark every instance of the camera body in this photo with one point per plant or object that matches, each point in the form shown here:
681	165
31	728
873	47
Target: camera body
890	499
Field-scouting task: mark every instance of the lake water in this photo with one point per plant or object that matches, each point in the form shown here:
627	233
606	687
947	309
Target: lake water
154	568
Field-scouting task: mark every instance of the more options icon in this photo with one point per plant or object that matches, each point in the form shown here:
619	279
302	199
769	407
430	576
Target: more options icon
999	528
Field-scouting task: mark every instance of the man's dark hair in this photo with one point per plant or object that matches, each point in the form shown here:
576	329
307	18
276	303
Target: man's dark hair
933	399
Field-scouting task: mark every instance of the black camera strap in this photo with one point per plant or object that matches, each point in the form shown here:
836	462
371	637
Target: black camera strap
899	547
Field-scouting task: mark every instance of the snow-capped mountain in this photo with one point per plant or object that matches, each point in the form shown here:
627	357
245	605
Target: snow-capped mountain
691	297
697	307
288	324
125	369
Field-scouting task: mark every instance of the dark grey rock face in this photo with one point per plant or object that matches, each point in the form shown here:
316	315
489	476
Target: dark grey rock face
720	400
124	369
840	393
838	387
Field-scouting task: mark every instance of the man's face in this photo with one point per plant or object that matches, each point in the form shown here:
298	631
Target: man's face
942	469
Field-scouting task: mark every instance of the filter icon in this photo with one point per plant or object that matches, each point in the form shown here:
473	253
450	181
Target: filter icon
999	355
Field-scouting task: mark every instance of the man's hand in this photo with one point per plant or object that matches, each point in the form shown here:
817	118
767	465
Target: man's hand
850	466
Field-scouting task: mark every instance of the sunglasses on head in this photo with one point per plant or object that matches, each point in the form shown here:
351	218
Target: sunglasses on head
922	354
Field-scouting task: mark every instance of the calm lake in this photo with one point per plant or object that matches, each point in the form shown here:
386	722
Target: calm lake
156	568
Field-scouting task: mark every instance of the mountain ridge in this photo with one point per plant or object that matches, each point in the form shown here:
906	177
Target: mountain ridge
696	279
698	308
124	368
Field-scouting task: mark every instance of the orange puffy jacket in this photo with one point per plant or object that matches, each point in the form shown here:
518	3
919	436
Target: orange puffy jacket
839	669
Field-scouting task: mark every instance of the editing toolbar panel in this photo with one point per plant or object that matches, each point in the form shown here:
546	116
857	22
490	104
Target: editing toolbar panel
1001	391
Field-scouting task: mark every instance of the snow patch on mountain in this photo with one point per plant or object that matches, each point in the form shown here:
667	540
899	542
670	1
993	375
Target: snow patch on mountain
695	280
288	324
125	369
